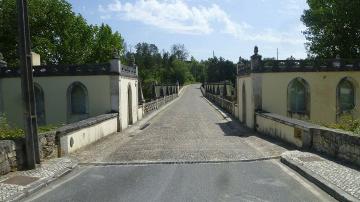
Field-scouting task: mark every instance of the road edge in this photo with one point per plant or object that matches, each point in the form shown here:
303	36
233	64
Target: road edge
320	182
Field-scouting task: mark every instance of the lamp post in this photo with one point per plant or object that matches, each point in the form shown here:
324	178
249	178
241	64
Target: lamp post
27	86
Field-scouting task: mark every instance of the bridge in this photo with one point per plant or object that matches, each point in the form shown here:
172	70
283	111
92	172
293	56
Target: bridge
188	150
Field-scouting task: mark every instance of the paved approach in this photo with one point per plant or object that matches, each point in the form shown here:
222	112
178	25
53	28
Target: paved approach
190	130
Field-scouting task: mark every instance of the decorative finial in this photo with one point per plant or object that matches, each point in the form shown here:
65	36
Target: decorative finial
132	60
256	50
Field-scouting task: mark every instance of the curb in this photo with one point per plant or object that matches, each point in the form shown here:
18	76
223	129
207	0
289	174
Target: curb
323	184
36	186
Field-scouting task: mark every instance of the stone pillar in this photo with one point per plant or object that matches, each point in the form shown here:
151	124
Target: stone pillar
3	64
224	94
153	89
115	67
141	95
337	62
177	87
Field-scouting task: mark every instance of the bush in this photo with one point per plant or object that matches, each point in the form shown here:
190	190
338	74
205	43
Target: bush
7	132
347	123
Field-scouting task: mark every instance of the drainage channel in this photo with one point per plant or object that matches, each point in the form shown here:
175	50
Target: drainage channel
136	163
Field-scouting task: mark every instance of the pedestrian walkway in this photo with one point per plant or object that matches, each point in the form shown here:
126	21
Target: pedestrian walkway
17	185
340	181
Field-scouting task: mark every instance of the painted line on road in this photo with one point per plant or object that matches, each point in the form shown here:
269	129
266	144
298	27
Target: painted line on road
134	163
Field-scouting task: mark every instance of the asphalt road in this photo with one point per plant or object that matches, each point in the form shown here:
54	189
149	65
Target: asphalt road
243	181
190	130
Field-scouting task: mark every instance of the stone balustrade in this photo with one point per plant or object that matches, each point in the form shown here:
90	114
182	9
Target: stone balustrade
315	65
156	104
71	70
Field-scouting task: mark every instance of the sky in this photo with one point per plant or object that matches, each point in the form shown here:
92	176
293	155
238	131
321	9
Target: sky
230	28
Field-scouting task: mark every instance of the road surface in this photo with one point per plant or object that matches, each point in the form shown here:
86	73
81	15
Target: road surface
188	152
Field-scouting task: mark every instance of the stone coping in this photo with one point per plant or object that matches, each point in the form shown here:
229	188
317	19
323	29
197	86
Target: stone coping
306	125
71	70
84	123
289	121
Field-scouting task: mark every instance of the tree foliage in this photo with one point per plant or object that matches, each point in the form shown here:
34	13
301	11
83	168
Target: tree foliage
333	28
58	34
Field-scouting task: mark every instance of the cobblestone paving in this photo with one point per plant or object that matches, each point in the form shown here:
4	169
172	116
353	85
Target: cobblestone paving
345	178
188	130
48	170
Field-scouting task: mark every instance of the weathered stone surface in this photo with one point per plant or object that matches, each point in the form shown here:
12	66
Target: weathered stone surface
7	156
337	143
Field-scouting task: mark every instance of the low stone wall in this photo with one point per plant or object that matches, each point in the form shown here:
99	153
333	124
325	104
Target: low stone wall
7	156
336	143
293	131
77	135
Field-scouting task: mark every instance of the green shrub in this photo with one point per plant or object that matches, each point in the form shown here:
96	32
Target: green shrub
347	123
7	132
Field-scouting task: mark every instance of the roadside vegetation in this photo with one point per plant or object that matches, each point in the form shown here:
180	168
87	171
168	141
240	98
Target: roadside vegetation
8	132
347	123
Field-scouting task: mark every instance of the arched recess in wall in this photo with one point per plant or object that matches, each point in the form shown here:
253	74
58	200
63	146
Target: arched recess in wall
298	94
244	103
130	104
346	96
78	102
40	104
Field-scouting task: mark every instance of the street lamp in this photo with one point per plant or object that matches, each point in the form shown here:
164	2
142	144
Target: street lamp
32	152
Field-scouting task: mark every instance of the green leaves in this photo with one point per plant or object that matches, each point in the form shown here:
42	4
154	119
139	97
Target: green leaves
333	28
58	34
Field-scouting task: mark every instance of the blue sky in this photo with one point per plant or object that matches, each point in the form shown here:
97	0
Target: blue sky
229	27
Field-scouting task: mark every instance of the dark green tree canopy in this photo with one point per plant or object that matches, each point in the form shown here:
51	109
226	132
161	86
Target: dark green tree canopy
333	28
58	34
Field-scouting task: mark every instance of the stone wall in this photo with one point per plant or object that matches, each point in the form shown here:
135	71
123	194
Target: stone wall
337	143
49	148
7	156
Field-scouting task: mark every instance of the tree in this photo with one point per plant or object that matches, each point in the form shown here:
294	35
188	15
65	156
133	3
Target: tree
333	28
179	52
105	44
58	34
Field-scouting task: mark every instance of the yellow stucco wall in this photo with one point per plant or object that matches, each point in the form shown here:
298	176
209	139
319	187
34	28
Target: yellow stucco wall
124	85
247	80
55	92
323	92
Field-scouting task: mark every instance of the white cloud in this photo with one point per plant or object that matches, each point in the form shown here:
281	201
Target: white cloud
178	16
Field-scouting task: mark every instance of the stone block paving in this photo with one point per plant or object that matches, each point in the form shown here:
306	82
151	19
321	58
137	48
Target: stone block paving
13	190
345	178
189	130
